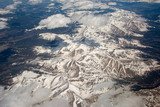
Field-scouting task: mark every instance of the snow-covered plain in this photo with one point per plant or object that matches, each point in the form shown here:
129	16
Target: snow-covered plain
82	70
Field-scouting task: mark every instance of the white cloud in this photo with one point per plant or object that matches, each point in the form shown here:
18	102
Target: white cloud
126	21
3	19
29	96
10	8
82	4
3	24
95	21
112	3
51	5
41	50
122	99
48	36
149	1
54	21
4	11
34	2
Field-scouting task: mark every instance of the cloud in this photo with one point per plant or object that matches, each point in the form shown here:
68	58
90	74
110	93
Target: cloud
126	21
149	1
48	36
92	20
28	96
51	6
122	99
112	3
41	50
54	21
82	4
8	9
3	23
4	11
34	2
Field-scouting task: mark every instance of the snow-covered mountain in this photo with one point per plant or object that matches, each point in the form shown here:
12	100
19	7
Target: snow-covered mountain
94	66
